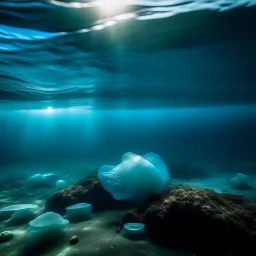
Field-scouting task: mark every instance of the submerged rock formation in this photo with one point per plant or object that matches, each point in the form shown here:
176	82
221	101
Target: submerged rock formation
240	181
6	236
187	171
203	221
88	190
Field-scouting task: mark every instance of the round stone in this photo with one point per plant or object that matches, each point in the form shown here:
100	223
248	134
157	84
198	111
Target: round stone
73	240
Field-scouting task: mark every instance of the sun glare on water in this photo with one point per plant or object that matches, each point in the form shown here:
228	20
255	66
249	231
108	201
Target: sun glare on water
110	5
49	110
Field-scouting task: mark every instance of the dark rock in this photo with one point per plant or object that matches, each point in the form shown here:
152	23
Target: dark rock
240	186
88	190
187	171
203	221
73	240
240	182
5	236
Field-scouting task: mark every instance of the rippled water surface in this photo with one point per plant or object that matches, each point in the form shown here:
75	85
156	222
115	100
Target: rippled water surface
109	52
84	82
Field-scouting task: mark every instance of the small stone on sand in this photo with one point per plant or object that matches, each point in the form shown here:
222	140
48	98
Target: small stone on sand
73	240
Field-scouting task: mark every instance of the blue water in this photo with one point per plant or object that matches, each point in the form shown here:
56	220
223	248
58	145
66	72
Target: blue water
176	77
224	134
83	82
135	53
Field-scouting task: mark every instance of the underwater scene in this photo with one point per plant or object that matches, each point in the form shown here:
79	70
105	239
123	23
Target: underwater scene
127	128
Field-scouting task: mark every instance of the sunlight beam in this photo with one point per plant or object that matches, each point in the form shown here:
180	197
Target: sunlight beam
108	6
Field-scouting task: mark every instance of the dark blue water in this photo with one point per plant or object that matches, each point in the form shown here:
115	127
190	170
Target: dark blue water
84	82
93	80
220	136
88	81
138	53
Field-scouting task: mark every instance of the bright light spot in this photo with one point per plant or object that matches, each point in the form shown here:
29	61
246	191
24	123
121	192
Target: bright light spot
110	5
104	25
59	111
98	27
110	23
49	110
125	16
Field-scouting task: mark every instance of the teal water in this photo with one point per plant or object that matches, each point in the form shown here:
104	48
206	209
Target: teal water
82	83
222	136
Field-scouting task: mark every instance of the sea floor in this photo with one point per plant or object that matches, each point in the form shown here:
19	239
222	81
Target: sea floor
97	236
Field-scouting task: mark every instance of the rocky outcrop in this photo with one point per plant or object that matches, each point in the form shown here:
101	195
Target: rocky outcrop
6	236
202	221
186	171
88	190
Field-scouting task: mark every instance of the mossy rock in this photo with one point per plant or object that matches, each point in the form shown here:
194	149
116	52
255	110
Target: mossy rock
200	220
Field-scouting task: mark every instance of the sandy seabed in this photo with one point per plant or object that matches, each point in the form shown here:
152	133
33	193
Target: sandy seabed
97	237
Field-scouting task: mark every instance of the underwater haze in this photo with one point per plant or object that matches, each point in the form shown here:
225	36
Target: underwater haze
84	82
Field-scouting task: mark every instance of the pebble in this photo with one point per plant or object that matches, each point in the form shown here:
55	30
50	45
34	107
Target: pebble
73	240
